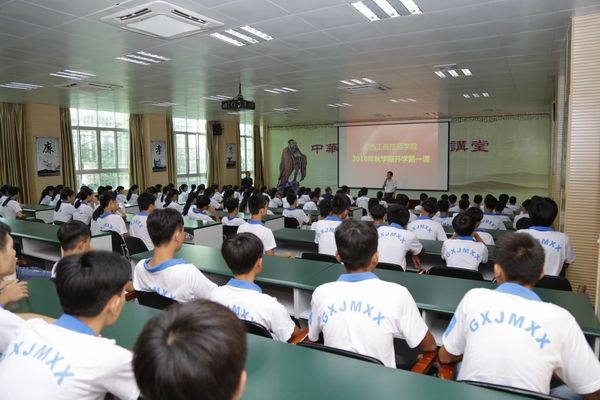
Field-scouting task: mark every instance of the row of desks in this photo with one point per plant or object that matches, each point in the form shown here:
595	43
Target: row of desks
278	370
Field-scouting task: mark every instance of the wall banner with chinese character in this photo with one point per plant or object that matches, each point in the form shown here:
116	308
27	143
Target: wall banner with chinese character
159	155
230	155
48	156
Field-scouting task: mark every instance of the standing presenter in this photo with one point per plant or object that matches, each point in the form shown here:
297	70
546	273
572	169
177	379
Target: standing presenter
389	187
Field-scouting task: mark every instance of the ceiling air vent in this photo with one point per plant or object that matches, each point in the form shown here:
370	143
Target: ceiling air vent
370	88
163	20
92	86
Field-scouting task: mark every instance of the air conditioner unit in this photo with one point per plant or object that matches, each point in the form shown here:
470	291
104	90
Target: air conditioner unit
370	88
162	19
94	86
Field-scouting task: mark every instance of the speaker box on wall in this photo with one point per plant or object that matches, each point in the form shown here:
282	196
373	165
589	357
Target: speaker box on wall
217	129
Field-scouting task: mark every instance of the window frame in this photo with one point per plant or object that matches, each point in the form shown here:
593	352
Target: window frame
196	176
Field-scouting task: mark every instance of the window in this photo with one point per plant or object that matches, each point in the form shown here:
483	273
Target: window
247	149
190	150
101	148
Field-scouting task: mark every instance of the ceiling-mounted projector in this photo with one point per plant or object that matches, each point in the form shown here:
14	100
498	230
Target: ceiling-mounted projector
238	103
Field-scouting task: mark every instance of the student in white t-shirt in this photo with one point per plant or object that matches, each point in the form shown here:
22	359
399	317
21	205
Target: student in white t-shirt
477	215
138	226
47	195
10	207
232	204
325	228
443	216
171	201
359	312
311	205
74	237
132	195
173	278
201	211
557	245
424	227
362	200
509	336
243	254
422	199
523	214
121	198
57	191
64	210
105	217
395	242
499	211
276	201
183	193
204	342
464	249
369	217
512	204
453	206
68	359
294	212
380	199
84	205
258	208
491	220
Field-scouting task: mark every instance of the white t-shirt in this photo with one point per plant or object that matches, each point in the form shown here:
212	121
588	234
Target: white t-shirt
175	206
121	198
133	200
390	186
158	202
65	360
464	252
518	217
138	228
363	202
412	217
195	215
54	200
215	204
454	208
486	237
508	336
363	314
444	221
492	221
395	242
183	196
325	234
176	279
310	206
65	212
262	232
9	323
427	229
303	199
248	302
557	248
383	203
11	209
285	204
275	202
298	214
83	213
217	197
46	200
111	222
235	221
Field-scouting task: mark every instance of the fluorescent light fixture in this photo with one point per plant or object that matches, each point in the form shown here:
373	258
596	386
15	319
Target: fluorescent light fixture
366	11
387	8
164	104
227	39
485	94
137	57
347	105
143	53
440	74
407	100
411	6
70	74
131	60
289	90
411	100
20	86
357	81
453	73
393	100
59	75
369	80
348	83
256	32
466	96
284	109
271	91
332	105
476	95
466	72
241	36
281	90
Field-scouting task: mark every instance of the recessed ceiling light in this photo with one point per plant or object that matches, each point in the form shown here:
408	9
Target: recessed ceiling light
164	104
20	86
227	39
366	11
218	97
466	96
452	70
285	109
256	32
71	74
281	90
453	73
348	83
246	34
406	100
338	105
375	10
147	59
466	72
143	58
440	74
387	8
143	53
369	80
242	36
411	6
475	95
355	81
131	60
485	94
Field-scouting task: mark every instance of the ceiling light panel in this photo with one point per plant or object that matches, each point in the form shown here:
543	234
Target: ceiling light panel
339	105
164	104
218	97
242	36
476	95
281	90
355	81
285	109
72	74
406	100
20	86
375	10
451	71
143	58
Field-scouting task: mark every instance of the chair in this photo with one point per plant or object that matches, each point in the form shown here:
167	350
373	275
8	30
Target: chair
528	394
229	230
41	221
390	266
153	299
135	245
319	257
290	222
452	272
58	223
257	329
118	244
554	282
340	352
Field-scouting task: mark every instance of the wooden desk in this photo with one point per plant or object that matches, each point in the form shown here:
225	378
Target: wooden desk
39	211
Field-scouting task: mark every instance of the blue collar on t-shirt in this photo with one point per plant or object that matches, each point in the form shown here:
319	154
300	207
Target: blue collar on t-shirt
195	210
230	218
291	208
469	238
164	265
333	218
360	276
254	222
397	226
518	290
74	324
489	213
542	228
143	213
106	214
423	217
238	283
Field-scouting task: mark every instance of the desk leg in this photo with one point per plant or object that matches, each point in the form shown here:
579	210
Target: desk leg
210	236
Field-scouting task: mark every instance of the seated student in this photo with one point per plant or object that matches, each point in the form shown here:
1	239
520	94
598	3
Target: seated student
183	193
10	207
216	195
233	209
132	195
105	217
422	198
68	359
395	241
509	336
499	211
381	200
503	198
64	210
57	191
453	207
243	254
346	190
121	198
170	277
294	212
477	216
362	200
339	309
512	204
491	220
328	195
378	213
325	228
523	214
205	344
324	212
47	195
153	190
200	212
171	201
138	226
557	245
463	205
403	200
74	237
258	208
426	228
276	201
84	205
311	205
369	217
464	249
301	196
212	197
478	201
443	216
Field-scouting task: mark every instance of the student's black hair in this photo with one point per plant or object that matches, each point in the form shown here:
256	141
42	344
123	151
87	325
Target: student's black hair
423	197
328	189
356	243
503	198
339	203
209	191
463	204
158	187
512	200
490	202
152	190
191	199
119	189
108	187
402	200
193	350
227	195
83	194
313	195
86	282
256	203
162	224
324	208
241	252
272	192
523	223
430	206
372	203
58	189
10	192
475	213
444	197
452	198
231	204
105	198
345	189
391	173
183	187
464	196
477	199
500	206
317	191
377	211
4	234
71	233
145	200
131	190
398	214
202	201
443	205
291	198
46	192
521	257
67	192
526	204
379	195
4	189
543	211
463	224
363	192
164	193
171	197
100	190
193	187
